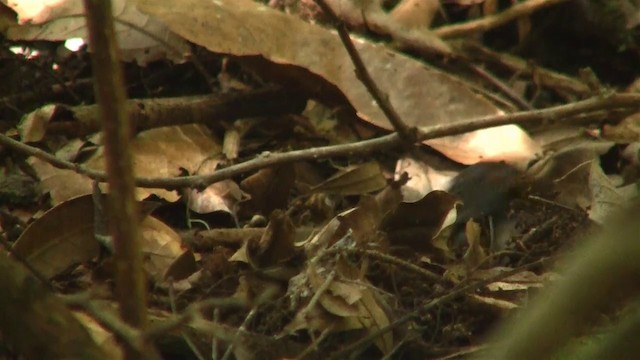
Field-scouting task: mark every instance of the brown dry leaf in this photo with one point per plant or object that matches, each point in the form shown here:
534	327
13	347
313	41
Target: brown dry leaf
415	13
276	244
220	196
62	237
65	236
371	314
254	290
105	339
475	254
521	281
275	247
349	303
505	294
581	182
33	126
269	189
626	131
354	180
418	224
59	20
509	143
163	152
182	267
316	318
327	236
61	185
323	121
422	178
334	303
607	197
422	95
499	304
162	248
362	222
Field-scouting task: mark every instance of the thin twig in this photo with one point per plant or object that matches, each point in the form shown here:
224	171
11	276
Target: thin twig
545	77
121	330
241	331
398	262
319	293
316	342
452	294
490	22
551	115
407	134
501	86
131	288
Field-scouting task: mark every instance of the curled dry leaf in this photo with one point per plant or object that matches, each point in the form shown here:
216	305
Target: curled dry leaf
580	181
164	255
276	245
346	301
417	224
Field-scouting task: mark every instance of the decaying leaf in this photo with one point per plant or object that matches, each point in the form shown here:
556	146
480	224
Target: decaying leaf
276	245
62	185
268	189
163	152
417	224
355	180
62	237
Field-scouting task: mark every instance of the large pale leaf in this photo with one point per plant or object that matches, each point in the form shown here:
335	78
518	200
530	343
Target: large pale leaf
313	59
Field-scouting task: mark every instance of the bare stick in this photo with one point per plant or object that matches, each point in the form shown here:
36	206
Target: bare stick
493	21
552	115
407	134
110	93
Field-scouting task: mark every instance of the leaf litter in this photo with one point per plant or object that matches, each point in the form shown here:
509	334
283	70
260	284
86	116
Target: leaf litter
346	255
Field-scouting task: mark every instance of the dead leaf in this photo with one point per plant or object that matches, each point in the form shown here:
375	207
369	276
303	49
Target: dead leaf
422	95
105	339
415	13
423	178
268	189
354	180
163	152
162	248
58	21
62	185
475	254
626	131
275	246
62	237
416	224
33	126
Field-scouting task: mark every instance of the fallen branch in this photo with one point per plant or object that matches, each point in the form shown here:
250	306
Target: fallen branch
550	115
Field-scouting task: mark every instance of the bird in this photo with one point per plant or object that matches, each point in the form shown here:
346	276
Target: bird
486	190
